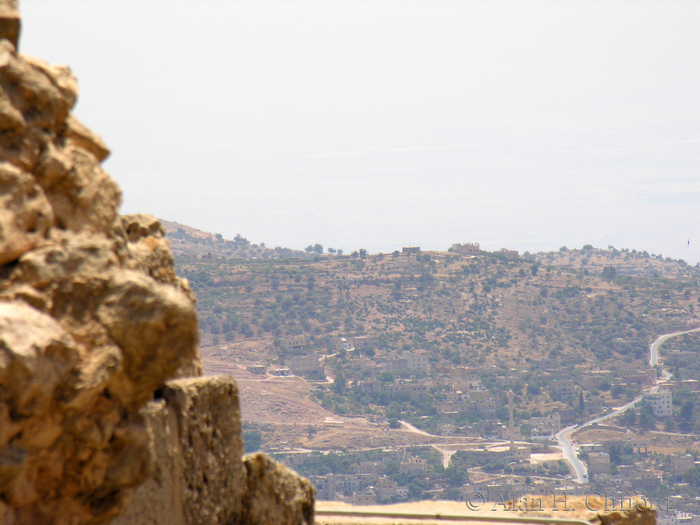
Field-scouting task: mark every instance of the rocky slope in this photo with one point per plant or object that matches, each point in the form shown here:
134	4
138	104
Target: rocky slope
93	322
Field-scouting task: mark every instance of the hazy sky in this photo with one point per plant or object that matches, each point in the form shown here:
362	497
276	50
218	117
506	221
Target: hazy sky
375	124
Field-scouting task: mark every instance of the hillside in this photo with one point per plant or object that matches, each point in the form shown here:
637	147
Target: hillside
186	240
530	318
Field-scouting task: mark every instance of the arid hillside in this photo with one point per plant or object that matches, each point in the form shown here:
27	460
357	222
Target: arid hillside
572	310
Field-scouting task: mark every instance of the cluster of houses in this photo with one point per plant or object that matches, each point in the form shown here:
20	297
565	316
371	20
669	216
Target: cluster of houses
466	394
369	485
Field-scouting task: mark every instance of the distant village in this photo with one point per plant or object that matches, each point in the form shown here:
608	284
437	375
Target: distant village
461	393
500	449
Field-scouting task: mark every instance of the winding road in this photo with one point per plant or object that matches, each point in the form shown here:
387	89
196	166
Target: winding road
569	453
654	351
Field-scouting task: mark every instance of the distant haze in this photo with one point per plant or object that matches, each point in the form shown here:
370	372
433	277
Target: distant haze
379	124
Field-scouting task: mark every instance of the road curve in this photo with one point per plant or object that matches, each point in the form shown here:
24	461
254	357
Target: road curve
568	451
654	349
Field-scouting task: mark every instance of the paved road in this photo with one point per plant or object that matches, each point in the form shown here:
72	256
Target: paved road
654	350
570	454
568	451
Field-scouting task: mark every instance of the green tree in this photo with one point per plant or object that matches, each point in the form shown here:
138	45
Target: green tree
687	411
251	440
318	249
615	454
646	418
339	383
609	273
386	377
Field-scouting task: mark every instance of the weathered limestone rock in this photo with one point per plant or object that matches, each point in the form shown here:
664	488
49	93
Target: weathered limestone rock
208	418
275	494
153	324
200	476
93	322
93	319
25	213
36	355
9	21
159	499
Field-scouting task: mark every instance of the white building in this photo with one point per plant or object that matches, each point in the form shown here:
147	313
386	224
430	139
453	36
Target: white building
661	402
402	493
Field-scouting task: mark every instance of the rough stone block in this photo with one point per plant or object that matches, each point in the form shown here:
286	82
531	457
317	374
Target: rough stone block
275	494
200	477
159	500
209	427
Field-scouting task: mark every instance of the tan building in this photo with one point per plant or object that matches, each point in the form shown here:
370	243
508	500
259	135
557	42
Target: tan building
364	498
397	365
466	249
393	455
550	423
485	408
410	390
511	255
386	487
681	464
414	464
412	250
593	379
296	342
645	378
307	365
371	467
409	363
417	362
562	387
598	464
257	369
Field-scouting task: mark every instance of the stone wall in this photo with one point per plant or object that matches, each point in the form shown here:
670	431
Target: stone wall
200	476
93	322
